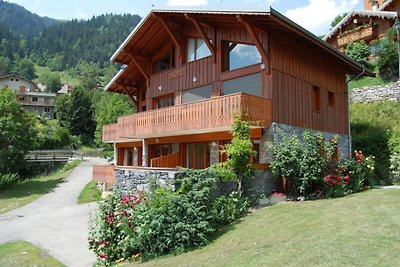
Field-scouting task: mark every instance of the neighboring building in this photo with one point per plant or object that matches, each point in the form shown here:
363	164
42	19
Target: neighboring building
189	73
367	25
29	96
65	89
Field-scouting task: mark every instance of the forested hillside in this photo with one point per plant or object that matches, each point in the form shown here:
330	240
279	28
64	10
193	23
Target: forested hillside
21	21
93	41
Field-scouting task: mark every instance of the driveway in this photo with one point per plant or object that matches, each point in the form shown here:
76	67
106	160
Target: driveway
55	221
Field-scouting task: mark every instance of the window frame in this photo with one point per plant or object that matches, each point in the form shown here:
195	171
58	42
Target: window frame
195	49
225	55
170	97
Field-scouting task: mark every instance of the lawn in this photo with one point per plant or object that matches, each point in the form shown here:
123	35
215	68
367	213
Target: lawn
22	254
90	193
358	230
23	193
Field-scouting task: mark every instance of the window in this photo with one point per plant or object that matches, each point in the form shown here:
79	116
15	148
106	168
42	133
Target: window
21	98
167	62
238	55
249	84
163	101
47	110
331	99
256	148
197	94
317	98
34	99
197	49
46	100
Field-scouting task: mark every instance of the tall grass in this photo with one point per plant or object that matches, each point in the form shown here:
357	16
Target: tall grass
8	179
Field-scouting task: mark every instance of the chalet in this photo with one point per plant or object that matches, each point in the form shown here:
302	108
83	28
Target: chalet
189	73
366	25
29	95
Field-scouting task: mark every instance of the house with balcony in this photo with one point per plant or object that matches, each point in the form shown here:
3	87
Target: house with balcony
366	25
189	73
29	95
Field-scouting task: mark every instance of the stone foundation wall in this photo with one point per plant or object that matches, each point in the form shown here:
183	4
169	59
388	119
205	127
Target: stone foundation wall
376	93
132	180
139	180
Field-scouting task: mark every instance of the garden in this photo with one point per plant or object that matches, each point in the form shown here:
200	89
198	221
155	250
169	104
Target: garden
207	202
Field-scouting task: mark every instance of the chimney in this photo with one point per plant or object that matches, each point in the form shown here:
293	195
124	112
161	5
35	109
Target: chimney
374	5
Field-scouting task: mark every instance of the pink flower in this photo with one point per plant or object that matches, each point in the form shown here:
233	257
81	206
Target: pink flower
103	256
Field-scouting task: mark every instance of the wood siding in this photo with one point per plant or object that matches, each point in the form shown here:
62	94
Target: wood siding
104	174
296	69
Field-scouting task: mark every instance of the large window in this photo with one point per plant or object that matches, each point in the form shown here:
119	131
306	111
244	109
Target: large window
249	84
197	49
197	94
163	101
237	55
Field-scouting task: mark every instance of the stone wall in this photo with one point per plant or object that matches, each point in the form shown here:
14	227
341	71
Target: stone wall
376	93
132	180
140	180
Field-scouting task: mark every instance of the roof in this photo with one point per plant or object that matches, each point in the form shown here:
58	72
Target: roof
364	13
385	4
149	29
19	77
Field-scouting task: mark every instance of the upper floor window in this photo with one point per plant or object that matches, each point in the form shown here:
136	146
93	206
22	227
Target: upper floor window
163	101
47	110
34	99
197	49
167	62
316	98
331	99
237	55
46	100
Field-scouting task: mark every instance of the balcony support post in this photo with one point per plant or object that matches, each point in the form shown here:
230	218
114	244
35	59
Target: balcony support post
115	160
145	151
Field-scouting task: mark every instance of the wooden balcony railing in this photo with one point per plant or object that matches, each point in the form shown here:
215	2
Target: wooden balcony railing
217	112
110	132
168	161
104	174
363	33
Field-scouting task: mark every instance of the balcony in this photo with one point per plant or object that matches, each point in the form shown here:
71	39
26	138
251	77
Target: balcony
215	114
362	33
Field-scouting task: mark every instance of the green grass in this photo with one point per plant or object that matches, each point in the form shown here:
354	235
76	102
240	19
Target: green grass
22	254
90	193
359	230
366	82
20	194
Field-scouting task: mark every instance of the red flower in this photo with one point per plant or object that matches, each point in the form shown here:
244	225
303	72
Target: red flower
346	183
346	177
336	170
103	256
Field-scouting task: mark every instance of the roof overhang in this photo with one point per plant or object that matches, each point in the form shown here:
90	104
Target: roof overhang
150	28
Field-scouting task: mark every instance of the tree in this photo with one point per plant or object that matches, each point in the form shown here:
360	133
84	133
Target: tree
359	51
80	115
108	109
337	19
88	73
239	153
388	56
17	133
63	107
26	69
52	81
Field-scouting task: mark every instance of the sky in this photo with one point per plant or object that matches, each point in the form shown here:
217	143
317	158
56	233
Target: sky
313	15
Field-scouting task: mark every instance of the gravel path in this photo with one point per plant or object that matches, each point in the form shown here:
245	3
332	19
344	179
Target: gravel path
55	221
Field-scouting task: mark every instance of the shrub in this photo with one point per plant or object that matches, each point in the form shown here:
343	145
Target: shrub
388	57
112	232
359	51
302	162
8	179
227	209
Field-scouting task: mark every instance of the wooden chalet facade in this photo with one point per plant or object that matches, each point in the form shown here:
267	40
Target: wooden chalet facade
189	73
366	25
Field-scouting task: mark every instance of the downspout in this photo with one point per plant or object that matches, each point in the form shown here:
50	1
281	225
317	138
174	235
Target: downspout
348	107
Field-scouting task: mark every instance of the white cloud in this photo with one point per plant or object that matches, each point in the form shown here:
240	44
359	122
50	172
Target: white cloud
187	2
318	14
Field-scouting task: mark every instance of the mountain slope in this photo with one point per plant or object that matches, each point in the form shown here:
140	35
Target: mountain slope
21	21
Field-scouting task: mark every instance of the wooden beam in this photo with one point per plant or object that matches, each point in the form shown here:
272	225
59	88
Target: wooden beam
146	76
202	34
169	31
134	86
131	98
254	37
